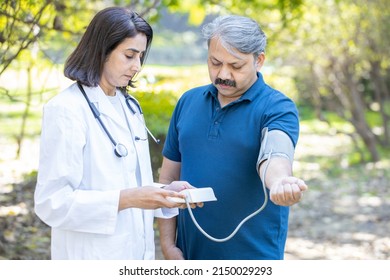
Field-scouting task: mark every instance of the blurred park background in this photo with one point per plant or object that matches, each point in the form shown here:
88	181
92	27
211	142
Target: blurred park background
332	57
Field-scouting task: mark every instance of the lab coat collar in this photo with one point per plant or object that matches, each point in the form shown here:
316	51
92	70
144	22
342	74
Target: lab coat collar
97	96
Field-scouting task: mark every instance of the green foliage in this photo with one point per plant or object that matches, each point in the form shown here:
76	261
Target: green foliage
157	108
28	27
279	10
11	111
334	50
312	47
159	88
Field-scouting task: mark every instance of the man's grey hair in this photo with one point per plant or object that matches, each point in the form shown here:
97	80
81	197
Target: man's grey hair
238	32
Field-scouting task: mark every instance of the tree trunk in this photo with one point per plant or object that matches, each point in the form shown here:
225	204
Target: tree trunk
20	137
358	114
381	93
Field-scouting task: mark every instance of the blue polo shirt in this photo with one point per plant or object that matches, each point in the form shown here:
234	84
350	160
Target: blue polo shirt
218	148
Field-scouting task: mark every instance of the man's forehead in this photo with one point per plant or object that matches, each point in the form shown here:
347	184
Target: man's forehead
222	50
219	45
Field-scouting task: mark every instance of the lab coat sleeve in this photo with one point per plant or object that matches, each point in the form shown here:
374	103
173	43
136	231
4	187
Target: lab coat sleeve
166	213
60	202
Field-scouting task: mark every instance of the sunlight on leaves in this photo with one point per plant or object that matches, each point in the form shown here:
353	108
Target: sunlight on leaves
14	210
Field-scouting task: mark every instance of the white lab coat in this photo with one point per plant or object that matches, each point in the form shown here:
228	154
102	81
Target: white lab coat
80	178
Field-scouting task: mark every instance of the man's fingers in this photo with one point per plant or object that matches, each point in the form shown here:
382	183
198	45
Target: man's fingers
288	192
296	191
293	180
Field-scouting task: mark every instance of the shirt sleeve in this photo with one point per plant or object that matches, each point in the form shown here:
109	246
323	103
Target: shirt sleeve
283	115
171	148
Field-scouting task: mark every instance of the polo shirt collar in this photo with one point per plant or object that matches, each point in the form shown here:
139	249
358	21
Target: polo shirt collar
249	95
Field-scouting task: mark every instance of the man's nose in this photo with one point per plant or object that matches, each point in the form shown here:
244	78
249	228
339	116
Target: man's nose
225	73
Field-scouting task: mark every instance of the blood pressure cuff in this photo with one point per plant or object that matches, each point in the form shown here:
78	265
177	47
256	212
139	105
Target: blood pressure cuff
275	143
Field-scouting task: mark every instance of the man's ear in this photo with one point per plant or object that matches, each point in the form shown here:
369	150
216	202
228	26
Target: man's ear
260	61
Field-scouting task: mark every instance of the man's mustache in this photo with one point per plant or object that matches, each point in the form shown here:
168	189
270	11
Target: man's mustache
225	82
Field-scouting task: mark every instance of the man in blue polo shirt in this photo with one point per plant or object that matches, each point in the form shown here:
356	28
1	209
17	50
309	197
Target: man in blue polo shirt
236	135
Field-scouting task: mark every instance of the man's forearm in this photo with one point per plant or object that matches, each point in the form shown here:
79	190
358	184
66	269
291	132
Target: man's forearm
276	168
167	228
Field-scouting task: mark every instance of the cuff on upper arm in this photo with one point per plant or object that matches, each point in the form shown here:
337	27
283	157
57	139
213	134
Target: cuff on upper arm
275	143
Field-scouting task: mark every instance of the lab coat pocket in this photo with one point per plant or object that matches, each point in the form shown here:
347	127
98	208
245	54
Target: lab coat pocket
117	247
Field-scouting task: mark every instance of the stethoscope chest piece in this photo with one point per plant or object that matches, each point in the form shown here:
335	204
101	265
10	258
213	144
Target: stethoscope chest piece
120	150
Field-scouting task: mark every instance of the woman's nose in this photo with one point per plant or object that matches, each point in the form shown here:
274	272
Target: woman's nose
136	65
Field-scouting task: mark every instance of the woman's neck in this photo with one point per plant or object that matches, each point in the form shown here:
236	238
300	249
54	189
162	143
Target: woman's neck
108	90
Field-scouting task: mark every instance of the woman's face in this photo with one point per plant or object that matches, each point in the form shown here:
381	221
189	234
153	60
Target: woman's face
123	63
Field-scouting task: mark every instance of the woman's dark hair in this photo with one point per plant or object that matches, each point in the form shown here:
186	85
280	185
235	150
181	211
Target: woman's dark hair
107	30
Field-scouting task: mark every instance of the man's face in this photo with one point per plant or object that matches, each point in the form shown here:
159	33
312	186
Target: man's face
232	74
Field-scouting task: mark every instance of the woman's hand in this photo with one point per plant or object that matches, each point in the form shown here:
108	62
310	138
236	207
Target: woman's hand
148	197
179	186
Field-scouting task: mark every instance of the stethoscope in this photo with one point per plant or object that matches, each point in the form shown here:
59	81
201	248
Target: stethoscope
120	150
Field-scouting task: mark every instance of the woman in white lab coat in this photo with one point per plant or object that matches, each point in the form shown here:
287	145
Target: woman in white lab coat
95	187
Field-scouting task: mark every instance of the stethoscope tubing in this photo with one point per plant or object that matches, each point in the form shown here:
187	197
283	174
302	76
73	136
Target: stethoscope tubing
119	149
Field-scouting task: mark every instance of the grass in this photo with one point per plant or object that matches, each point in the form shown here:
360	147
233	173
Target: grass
11	119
